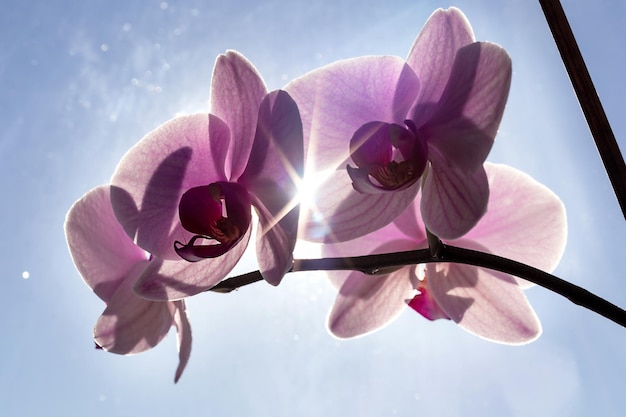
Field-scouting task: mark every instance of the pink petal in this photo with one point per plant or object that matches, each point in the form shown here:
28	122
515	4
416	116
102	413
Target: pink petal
337	99
367	303
434	50
101	251
453	201
272	177
175	279
525	221
468	114
151	178
489	306
131	324
183	329
236	93
410	223
340	213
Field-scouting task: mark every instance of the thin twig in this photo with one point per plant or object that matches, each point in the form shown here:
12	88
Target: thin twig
381	264
588	98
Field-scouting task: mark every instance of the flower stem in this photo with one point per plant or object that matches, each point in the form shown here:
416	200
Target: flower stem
587	97
383	263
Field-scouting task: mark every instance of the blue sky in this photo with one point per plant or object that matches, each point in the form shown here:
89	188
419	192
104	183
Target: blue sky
81	82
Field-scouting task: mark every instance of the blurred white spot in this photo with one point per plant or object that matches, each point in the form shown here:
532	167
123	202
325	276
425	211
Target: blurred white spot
164	5
104	47
154	88
284	77
195	12
34	62
25	274
127	27
102	397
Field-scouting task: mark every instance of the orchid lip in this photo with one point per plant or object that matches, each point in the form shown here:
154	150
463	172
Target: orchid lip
389	157
218	212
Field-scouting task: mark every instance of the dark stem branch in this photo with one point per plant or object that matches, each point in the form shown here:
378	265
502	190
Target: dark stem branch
384	263
587	97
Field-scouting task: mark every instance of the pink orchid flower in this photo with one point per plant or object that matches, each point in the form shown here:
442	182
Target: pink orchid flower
186	190
110	263
396	123
524	221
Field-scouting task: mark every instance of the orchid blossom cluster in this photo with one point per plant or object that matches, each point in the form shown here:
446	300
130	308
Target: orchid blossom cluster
398	149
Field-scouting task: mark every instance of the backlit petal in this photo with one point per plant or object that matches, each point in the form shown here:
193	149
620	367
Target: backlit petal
491	307
103	254
183	330
272	177
236	93
131	324
176	279
434	49
151	178
337	99
466	119
525	221
341	213
453	201
367	303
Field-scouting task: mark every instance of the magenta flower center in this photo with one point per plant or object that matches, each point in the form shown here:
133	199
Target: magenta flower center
388	156
219	213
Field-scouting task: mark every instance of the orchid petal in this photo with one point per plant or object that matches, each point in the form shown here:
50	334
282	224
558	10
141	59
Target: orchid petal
336	100
525	221
131	324
236	93
183	330
467	116
341	214
434	50
491	307
100	249
410	223
272	177
175	279
367	303
453	201
151	178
